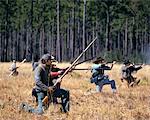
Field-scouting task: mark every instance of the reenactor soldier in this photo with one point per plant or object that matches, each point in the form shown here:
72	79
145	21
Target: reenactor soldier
44	88
13	69
54	74
98	76
126	71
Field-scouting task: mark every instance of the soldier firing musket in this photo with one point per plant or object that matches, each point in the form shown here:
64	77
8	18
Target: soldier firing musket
76	60
98	76
47	90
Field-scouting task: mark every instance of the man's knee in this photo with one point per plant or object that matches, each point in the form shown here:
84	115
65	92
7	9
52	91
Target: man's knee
67	94
112	81
113	84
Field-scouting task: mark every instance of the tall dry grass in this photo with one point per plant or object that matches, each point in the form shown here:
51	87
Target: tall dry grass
128	104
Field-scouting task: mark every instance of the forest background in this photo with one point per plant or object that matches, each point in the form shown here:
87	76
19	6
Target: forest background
30	28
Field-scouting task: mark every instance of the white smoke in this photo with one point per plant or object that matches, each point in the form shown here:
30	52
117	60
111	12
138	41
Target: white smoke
147	54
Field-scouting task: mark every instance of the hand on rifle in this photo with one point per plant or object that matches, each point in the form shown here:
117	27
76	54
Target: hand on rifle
58	80
143	65
63	70
50	89
114	62
60	72
45	101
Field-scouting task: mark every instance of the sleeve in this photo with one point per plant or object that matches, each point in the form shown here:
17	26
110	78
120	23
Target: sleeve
38	80
95	67
54	74
133	68
138	68
104	67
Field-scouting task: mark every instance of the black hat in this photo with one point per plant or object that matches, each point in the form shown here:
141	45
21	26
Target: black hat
127	62
97	60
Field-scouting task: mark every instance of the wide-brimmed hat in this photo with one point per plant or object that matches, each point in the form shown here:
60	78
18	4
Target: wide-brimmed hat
97	60
126	62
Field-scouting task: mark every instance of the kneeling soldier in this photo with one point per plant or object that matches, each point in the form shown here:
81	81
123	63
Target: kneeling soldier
44	87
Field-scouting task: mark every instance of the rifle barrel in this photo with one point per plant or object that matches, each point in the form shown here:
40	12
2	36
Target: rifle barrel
81	69
75	61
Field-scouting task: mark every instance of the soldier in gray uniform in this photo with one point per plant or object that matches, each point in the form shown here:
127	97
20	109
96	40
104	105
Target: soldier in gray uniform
13	69
126	71
44	87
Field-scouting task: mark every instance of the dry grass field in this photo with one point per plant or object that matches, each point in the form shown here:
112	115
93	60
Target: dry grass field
128	104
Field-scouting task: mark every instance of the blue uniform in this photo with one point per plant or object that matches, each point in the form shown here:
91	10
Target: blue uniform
100	79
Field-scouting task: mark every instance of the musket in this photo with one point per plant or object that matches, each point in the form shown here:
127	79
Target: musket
83	61
81	69
75	61
73	68
45	100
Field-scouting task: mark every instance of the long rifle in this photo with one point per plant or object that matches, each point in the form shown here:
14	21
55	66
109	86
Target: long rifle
46	99
81	69
83	61
75	61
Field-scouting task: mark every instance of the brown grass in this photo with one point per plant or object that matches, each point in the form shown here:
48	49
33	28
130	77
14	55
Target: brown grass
128	104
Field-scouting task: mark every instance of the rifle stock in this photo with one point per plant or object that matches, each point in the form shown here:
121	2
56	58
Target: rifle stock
45	100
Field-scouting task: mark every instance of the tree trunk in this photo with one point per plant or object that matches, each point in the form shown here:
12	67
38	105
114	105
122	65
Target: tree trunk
32	32
72	33
27	44
118	40
68	39
53	40
107	30
137	40
93	46
126	39
58	33
84	17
